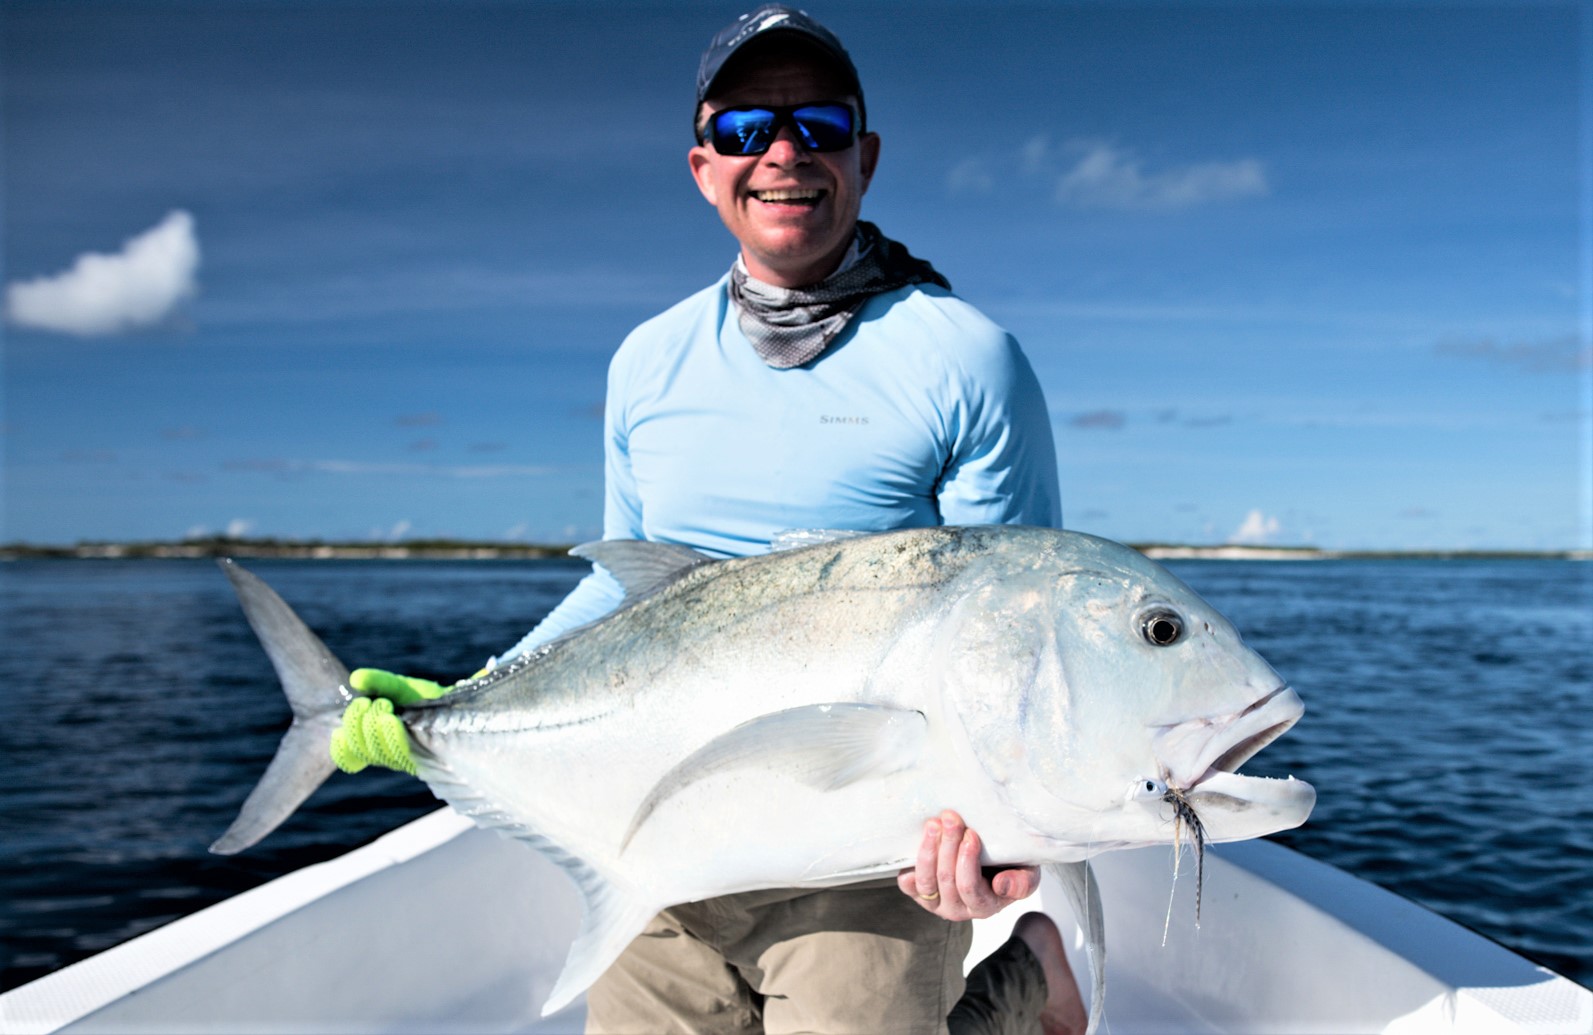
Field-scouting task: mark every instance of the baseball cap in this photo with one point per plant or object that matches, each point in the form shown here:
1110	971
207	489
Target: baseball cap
756	24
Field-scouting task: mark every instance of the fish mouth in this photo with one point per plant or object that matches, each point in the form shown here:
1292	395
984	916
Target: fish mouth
1201	758
1204	755
1259	725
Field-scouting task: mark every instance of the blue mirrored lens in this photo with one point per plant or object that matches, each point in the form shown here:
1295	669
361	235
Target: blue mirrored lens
744	131
824	127
751	131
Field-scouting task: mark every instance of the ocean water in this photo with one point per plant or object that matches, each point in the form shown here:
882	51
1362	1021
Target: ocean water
1448	729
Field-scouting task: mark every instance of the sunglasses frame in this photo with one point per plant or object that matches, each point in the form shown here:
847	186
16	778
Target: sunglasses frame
784	115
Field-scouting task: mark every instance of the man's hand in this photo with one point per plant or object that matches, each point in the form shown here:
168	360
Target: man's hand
371	734
948	880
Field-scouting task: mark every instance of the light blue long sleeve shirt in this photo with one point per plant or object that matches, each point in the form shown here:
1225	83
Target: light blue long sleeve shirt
923	412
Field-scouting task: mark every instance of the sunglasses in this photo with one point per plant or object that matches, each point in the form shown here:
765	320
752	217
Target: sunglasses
751	130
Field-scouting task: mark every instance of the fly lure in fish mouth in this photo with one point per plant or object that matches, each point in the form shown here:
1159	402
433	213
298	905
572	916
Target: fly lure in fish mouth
1185	819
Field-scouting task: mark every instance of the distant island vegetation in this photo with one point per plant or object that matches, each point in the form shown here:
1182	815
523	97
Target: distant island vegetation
467	549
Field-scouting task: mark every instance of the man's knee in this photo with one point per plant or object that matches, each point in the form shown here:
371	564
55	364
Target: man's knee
666	980
881	969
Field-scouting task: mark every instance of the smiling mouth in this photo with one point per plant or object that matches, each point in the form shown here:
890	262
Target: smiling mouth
788	197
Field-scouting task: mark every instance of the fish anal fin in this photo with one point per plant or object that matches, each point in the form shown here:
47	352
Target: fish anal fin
641	566
612	920
826	746
613	913
1084	895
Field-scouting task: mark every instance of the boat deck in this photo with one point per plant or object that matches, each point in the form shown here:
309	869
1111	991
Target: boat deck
1285	944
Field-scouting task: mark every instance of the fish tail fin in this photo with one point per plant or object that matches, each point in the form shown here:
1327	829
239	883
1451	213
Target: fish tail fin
316	685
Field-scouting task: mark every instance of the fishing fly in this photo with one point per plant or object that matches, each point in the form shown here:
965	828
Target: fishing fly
1185	821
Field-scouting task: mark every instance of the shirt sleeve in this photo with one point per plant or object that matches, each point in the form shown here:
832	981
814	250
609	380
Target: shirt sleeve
599	593
1002	468
591	599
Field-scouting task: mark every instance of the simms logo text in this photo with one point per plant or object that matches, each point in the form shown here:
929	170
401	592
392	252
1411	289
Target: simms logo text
842	420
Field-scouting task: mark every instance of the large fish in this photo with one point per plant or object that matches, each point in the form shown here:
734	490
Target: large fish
791	719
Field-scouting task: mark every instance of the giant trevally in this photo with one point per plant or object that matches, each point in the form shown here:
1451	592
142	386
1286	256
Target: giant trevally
1064	693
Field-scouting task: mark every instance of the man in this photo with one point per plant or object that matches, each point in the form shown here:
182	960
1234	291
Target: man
829	381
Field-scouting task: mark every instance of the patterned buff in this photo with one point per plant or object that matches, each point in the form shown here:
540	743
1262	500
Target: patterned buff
792	326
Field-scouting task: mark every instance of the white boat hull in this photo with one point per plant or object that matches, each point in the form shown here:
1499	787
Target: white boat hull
439	927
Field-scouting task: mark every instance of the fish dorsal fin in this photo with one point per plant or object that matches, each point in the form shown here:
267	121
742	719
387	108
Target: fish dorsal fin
796	538
1084	894
823	745
639	565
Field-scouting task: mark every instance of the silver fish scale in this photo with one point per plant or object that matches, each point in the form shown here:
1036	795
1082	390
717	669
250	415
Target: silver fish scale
774	607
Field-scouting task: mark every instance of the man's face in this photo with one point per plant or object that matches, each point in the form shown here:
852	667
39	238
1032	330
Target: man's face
787	240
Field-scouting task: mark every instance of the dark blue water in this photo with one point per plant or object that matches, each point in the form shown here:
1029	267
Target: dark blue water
1448	729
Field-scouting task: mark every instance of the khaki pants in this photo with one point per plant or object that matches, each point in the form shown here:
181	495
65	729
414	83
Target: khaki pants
848	960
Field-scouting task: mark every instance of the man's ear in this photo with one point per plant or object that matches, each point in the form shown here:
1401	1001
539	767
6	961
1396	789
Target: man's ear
701	158
867	156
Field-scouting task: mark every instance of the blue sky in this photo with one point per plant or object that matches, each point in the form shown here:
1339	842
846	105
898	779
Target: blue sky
1294	273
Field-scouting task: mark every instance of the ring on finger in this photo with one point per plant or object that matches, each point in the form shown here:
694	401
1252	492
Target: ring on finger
932	896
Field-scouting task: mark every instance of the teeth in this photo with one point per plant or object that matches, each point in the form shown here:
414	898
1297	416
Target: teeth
787	195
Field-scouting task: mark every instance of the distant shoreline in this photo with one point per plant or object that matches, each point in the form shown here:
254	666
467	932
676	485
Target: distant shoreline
310	549
469	550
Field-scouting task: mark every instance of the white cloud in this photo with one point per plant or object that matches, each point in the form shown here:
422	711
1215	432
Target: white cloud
1109	177
1035	154
1098	174
104	294
971	175
397	531
237	528
1256	528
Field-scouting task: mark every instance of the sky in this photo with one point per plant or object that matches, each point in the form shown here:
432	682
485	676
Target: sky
1292	273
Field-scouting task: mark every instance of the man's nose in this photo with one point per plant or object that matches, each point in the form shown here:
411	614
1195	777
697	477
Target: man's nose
786	148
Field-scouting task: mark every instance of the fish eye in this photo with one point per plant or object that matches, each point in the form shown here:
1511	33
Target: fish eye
1161	628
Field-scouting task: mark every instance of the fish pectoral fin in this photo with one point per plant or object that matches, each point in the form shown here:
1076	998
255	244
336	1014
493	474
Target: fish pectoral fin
827	746
1084	895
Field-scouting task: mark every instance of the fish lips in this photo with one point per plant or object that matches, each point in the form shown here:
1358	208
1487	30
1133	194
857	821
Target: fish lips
1201	757
1233	807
